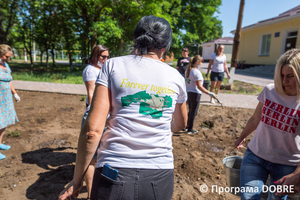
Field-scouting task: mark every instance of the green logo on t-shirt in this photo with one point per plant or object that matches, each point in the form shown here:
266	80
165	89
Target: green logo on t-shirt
188	80
150	104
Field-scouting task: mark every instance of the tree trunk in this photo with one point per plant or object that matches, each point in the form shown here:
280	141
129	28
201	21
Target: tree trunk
121	46
41	57
52	55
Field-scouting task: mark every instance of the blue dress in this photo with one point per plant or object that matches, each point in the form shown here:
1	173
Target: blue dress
8	114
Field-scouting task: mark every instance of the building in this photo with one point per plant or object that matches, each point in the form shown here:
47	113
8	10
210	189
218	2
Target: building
264	42
209	48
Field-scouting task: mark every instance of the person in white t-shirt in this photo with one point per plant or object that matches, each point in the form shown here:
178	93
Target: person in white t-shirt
274	149
194	88
90	74
141	93
98	56
217	65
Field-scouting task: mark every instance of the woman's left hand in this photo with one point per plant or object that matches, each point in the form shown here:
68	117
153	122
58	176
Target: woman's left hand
17	98
291	182
71	189
228	75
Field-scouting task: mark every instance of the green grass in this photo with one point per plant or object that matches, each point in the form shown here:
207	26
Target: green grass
63	77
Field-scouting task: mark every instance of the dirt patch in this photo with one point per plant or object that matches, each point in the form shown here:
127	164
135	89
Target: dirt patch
41	160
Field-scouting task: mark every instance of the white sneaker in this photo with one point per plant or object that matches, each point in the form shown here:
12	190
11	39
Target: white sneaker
212	101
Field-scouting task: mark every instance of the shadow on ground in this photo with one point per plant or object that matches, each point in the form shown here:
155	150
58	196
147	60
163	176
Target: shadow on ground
60	166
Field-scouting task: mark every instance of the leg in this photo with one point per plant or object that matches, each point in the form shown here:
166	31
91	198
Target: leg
3	146
277	171
194	101
213	85
218	86
253	175
1	134
220	77
88	178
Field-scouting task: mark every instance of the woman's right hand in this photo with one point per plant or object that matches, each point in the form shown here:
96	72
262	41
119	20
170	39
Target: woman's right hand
211	94
239	144
71	189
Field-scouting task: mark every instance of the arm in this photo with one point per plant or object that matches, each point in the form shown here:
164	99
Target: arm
180	117
251	125
226	69
90	86
13	91
89	138
12	88
204	90
209	66
292	179
200	87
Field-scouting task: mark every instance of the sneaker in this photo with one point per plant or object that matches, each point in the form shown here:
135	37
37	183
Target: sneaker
192	131
212	101
4	147
2	156
185	130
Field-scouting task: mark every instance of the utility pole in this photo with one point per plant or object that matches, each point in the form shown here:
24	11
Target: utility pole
236	42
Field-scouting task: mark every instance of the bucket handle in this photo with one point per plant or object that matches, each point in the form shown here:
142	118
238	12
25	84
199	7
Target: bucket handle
234	149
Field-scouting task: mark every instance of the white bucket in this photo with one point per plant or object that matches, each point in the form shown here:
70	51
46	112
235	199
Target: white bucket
232	170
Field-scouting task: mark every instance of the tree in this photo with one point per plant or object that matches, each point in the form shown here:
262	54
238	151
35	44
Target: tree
8	17
196	23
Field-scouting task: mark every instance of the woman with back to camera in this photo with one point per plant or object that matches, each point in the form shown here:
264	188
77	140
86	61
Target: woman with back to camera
7	110
275	147
217	64
194	88
90	74
141	93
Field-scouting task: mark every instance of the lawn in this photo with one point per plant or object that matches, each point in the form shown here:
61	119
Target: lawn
61	74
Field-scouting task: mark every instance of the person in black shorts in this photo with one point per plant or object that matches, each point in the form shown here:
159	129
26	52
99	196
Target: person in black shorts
218	65
183	62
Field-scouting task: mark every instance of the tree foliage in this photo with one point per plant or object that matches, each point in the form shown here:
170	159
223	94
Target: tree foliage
81	24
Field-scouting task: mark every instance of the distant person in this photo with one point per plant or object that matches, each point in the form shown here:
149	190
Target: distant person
8	114
194	88
183	62
137	144
217	65
90	74
274	149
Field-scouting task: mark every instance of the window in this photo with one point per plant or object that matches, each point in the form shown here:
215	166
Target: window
265	45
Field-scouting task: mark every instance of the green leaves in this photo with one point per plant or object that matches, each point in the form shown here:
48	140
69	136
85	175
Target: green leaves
81	24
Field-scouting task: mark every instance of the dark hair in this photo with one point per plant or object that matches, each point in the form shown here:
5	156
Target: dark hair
191	65
152	33
96	53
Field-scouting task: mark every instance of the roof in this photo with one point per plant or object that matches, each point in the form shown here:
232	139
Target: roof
285	16
224	40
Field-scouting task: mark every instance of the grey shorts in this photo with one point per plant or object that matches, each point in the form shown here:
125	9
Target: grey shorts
143	184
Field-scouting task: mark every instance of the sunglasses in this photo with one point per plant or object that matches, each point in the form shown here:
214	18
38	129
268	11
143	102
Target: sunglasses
104	57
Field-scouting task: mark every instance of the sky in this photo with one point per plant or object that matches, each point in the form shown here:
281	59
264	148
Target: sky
254	11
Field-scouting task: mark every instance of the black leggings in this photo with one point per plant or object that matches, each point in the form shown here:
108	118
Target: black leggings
193	103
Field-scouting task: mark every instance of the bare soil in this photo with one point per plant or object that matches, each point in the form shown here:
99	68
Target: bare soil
41	160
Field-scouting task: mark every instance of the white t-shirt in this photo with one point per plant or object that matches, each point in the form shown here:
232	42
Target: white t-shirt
277	137
144	92
90	73
218	64
195	75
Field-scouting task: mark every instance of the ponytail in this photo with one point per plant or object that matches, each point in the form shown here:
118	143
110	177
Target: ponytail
192	63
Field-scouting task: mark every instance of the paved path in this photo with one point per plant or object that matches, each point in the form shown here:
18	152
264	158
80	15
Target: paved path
228	100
